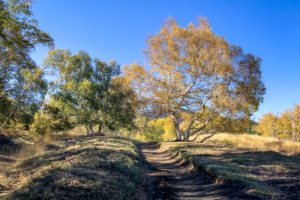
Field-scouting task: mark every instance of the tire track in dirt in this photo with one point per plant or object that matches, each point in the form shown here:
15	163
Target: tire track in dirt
170	178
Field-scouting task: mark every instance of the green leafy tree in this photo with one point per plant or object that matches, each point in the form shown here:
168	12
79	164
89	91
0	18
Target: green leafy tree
92	92
21	80
60	121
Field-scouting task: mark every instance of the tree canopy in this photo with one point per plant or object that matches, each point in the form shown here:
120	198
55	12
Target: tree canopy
19	35
21	81
196	76
91	92
193	77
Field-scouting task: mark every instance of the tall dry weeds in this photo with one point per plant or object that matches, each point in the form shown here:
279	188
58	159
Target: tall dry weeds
255	142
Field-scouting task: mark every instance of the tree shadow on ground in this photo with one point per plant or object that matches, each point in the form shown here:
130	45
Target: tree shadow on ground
171	178
100	172
266	168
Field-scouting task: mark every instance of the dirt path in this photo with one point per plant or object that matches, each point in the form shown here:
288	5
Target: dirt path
170	178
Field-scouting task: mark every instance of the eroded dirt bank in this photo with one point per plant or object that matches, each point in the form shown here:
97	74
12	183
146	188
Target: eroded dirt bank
170	178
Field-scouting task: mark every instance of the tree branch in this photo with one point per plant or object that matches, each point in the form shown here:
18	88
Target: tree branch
209	130
21	97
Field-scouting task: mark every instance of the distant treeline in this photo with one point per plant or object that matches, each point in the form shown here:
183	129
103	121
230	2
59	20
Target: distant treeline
285	125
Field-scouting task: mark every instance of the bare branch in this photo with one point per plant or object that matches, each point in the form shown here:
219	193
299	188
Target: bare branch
209	130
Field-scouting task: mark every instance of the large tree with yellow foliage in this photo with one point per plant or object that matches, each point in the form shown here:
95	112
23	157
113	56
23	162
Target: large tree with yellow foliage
196	76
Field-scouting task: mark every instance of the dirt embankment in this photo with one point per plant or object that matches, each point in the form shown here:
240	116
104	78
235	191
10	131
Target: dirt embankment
86	167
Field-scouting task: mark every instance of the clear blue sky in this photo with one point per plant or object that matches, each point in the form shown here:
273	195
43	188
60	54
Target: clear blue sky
117	30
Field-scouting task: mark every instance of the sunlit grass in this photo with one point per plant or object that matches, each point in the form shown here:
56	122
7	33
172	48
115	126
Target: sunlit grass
254	142
264	167
76	168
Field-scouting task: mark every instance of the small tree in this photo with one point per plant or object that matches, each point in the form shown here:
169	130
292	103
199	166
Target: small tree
196	76
268	125
285	125
290	123
41	125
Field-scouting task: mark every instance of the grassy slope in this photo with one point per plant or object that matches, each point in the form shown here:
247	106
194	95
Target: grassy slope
262	173
80	168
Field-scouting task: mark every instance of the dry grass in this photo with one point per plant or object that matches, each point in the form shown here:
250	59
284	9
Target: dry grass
77	167
13	163
264	167
254	142
30	147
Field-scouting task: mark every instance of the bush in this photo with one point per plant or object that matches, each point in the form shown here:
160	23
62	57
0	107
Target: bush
50	120
154	131
41	125
169	129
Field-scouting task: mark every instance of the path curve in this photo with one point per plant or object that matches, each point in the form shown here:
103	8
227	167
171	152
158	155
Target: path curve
170	178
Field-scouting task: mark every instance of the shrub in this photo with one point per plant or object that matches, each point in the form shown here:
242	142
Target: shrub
154	131
169	129
41	125
50	120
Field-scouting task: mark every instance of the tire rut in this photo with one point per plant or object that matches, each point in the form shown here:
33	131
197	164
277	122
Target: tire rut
170	178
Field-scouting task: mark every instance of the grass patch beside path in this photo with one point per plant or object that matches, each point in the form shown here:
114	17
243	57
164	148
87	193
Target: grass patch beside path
262	174
254	142
86	167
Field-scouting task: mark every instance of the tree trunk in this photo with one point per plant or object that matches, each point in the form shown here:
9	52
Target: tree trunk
1	140
91	129
185	136
87	130
186	133
177	128
99	129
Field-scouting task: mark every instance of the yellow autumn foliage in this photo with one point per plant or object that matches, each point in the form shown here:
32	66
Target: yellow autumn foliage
194	75
285	125
169	129
166	123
